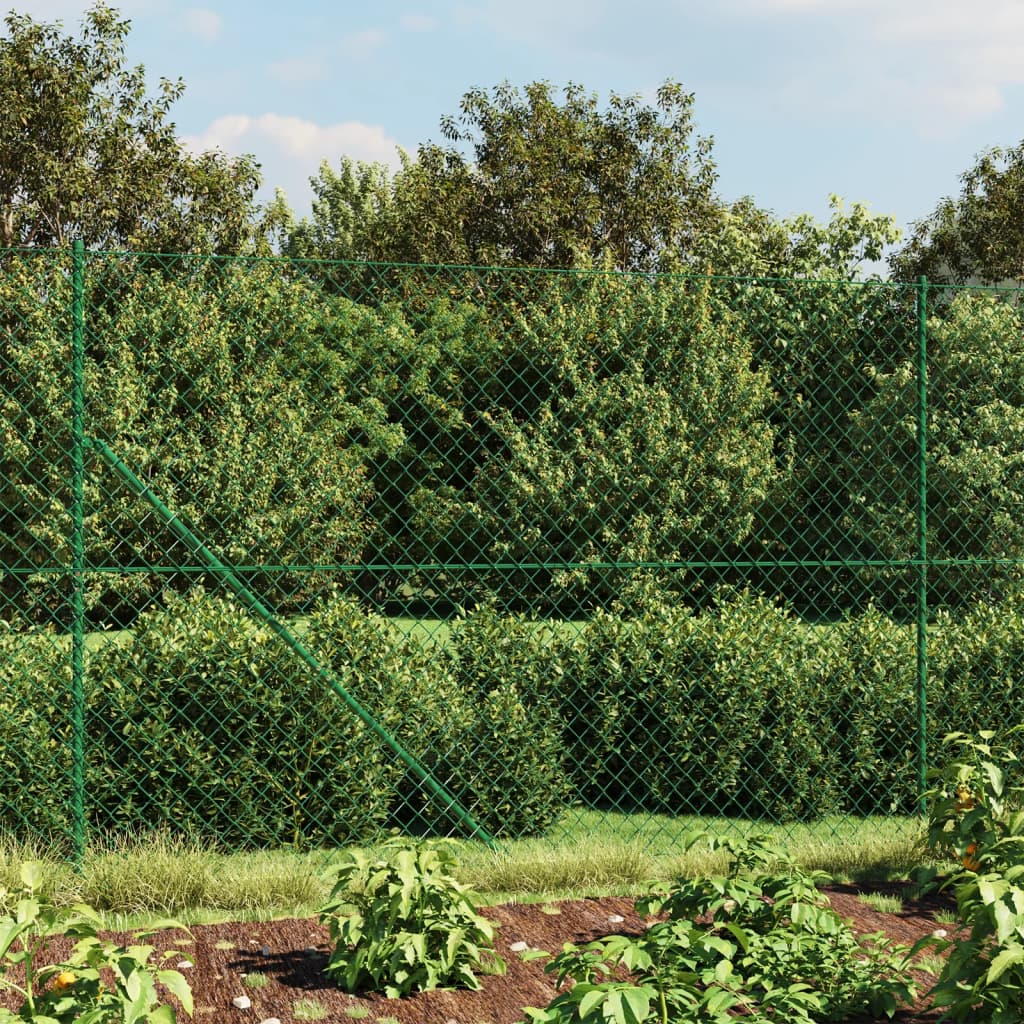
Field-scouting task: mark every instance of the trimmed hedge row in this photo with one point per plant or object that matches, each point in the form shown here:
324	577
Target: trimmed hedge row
201	719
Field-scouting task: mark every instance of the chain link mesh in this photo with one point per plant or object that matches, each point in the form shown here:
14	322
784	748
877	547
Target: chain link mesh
481	552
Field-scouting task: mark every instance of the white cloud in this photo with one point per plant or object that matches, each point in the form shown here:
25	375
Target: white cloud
417	23
296	137
939	64
203	23
291	149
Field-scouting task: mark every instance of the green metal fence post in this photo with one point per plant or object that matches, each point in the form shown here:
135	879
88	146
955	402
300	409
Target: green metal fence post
78	550
922	541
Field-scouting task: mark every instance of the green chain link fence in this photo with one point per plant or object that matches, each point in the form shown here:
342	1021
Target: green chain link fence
294	553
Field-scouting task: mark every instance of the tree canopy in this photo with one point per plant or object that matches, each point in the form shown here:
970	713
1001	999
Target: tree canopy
529	178
86	151
977	237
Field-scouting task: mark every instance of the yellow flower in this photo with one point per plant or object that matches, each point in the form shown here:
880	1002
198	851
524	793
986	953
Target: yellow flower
964	799
64	980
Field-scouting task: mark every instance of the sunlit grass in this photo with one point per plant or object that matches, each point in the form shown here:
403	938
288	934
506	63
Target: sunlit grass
587	853
882	902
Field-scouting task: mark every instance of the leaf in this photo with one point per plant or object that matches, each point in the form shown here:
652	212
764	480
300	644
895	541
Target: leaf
590	1001
32	874
1003	961
996	777
628	1005
175	983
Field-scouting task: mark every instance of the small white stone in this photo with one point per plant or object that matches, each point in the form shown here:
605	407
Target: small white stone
615	919
271	1020
518	947
939	933
241	1002
184	965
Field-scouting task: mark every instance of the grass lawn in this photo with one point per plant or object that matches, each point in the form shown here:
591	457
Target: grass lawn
588	853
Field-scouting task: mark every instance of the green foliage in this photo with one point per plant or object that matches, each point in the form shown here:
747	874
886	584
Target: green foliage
640	437
252	411
671	712
975	432
75	990
202	719
87	153
35	734
401	923
976	815
975	237
353	209
752	243
486	729
767	947
502	748
213	727
977	665
866	690
545	183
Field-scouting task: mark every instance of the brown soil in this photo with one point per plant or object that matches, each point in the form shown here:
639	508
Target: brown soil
290	953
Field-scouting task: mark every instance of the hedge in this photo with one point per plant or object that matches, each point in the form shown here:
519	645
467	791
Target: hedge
201	720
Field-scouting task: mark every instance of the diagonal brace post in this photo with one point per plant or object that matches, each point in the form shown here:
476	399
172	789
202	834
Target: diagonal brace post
258	608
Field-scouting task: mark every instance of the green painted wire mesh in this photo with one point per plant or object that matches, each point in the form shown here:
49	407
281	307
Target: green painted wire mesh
580	544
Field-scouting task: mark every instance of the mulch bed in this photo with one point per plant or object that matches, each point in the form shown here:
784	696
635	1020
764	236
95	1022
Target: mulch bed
290	953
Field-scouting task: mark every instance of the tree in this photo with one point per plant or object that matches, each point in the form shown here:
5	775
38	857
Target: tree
251	406
545	184
352	212
84	151
975	469
976	237
642	438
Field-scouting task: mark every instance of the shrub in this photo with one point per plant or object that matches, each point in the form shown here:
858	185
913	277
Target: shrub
204	721
975	429
759	943
977	664
632	429
35	734
976	817
75	990
502	746
868	693
243	398
717	714
475	713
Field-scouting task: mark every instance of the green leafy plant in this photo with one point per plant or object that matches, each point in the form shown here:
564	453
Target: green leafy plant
760	941
75	990
401	923
975	816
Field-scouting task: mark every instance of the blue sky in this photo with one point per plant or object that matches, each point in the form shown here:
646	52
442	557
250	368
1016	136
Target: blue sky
882	101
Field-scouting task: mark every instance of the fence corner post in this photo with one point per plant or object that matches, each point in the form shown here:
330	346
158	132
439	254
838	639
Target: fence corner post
922	542
78	551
